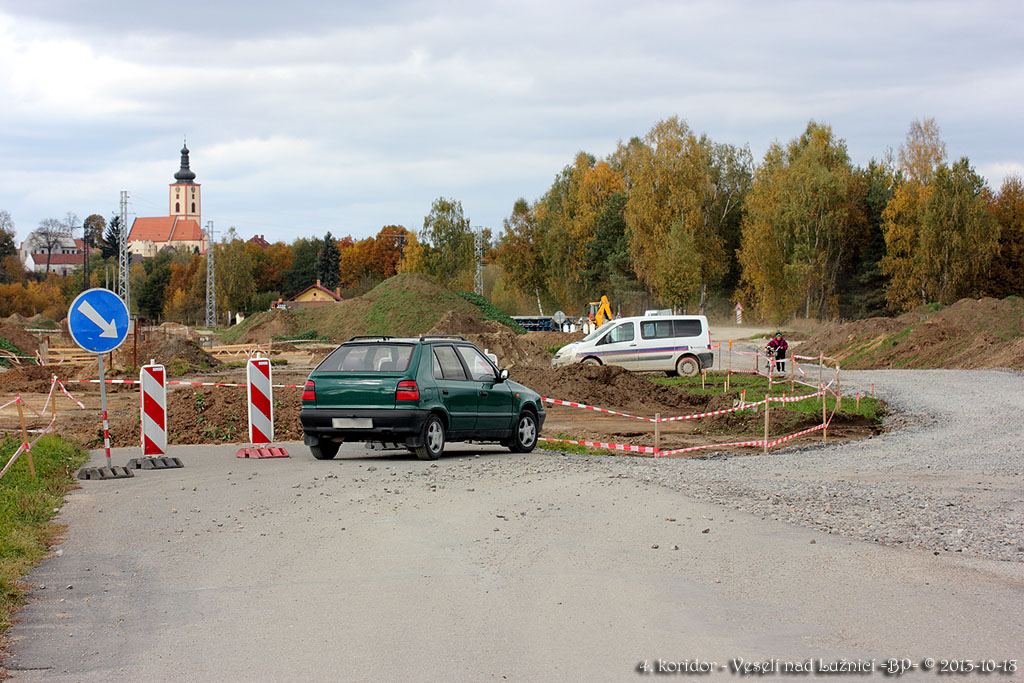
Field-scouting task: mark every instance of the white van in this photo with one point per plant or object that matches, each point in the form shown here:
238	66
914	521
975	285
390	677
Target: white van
672	343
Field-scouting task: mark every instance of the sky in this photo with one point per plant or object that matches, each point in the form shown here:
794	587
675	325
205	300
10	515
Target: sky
328	115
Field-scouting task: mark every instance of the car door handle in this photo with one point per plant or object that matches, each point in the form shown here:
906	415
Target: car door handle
444	391
483	393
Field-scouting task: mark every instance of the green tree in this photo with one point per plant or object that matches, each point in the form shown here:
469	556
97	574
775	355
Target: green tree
302	272
449	237
151	296
111	238
233	265
327	263
521	252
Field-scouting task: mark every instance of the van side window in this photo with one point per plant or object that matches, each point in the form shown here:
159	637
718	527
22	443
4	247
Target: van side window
621	333
656	329
687	328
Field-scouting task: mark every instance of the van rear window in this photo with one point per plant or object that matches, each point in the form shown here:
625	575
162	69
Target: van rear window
687	328
368	358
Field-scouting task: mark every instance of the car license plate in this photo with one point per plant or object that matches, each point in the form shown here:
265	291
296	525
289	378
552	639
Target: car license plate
352	422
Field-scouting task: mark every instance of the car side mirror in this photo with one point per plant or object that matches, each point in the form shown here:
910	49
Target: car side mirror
502	375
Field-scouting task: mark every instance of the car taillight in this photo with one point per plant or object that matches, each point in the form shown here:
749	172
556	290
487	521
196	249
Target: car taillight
309	391
407	391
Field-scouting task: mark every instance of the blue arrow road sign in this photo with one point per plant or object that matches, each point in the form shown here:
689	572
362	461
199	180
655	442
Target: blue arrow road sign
98	320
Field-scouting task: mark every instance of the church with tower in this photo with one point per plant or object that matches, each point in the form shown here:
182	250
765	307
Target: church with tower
180	230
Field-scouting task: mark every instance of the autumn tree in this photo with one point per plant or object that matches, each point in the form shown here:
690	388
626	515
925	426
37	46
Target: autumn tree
797	226
233	267
922	151
682	182
1007	274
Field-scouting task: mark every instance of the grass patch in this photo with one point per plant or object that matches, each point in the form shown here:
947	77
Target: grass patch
6	345
26	507
554	349
492	312
570	447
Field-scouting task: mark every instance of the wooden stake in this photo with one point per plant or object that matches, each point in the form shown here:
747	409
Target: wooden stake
767	404
824	413
657	431
858	401
821	365
792	374
839	391
872	390
24	439
703	377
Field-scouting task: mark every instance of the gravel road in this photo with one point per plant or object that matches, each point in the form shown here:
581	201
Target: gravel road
488	565
946	477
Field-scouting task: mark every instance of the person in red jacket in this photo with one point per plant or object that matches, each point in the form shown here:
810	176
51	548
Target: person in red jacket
776	349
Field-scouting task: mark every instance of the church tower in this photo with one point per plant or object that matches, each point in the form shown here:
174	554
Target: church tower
185	197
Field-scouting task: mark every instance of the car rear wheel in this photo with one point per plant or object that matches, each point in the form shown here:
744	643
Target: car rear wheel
524	438
688	366
433	439
325	450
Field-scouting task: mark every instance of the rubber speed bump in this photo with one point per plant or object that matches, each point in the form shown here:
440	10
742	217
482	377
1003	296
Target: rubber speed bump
105	473
161	463
257	452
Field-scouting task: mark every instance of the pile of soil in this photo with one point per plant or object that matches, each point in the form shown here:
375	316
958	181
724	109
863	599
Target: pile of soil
26	379
459	322
21	339
264	326
513	350
18	319
608	386
546	339
972	333
177	354
208	415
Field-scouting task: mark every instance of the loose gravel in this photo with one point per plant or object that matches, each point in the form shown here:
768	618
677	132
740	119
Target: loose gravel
944	477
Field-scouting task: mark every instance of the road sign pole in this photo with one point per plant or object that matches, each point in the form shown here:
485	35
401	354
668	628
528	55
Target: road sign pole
103	407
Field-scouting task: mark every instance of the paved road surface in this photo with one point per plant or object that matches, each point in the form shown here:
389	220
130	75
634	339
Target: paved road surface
492	567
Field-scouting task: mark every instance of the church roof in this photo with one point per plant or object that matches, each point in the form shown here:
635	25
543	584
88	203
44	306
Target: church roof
165	229
184	174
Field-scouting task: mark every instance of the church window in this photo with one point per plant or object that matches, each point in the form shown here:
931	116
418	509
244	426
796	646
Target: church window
177	207
193	207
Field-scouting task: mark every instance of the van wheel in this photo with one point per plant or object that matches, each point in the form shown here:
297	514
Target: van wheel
591	361
325	450
433	439
687	366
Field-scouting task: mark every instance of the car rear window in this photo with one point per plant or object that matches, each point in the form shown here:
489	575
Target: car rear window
663	329
368	358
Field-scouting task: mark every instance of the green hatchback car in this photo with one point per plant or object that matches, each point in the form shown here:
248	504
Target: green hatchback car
418	394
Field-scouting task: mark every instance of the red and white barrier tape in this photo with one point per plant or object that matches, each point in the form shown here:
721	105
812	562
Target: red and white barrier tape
573	404
713	412
68	394
11	402
691	449
601	444
11	461
96	381
772	444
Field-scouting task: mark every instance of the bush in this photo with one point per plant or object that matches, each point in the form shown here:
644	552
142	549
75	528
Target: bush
491	312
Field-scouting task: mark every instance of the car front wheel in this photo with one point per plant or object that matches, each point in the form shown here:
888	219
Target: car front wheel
525	436
433	439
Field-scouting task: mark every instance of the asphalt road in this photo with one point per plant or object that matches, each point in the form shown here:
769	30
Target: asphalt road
477	567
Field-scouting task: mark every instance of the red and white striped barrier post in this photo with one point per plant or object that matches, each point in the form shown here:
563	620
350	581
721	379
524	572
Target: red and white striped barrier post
153	420
260	394
153	399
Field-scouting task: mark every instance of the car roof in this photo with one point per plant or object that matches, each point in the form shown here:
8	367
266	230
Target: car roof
422	339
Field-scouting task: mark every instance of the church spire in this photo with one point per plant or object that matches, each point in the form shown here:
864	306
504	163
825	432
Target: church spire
184	174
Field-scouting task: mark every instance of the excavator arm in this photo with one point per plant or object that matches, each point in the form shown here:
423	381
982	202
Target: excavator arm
601	311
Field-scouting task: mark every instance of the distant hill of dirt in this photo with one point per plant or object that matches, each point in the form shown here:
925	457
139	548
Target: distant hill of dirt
402	306
972	333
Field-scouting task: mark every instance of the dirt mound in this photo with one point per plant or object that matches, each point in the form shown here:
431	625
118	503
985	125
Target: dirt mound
18	319
608	386
21	339
24	379
513	350
546	339
204	415
178	355
972	333
459	322
262	327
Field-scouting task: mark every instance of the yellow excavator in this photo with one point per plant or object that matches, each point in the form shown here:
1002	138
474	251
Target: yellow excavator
600	311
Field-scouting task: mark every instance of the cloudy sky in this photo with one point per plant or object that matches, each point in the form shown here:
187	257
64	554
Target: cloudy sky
309	116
